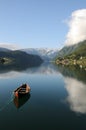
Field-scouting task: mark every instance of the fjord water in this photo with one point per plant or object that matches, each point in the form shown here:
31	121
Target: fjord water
57	99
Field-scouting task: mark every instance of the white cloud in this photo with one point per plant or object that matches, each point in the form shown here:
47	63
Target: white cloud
11	46
76	95
77	27
10	74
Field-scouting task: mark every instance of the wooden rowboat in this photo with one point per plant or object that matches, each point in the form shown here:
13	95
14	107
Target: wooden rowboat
24	89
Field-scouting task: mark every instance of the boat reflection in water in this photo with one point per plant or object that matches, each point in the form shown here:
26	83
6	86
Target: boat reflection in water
21	101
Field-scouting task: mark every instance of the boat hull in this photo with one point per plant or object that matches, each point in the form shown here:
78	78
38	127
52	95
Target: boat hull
21	101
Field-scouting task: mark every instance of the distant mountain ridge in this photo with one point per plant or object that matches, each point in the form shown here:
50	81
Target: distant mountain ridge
44	53
18	59
4	49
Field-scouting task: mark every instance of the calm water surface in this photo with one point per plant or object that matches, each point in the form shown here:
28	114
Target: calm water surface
57	100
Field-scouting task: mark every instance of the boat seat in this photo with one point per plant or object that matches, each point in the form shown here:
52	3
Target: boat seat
23	89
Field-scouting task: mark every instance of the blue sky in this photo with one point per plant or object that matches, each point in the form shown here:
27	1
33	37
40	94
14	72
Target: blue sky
36	23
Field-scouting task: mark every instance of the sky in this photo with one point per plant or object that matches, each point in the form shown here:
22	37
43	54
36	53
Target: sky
41	23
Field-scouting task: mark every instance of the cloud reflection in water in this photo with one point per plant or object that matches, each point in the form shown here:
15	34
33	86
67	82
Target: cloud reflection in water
76	95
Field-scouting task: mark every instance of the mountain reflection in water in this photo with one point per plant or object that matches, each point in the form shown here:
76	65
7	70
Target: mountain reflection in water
75	85
46	68
58	93
73	72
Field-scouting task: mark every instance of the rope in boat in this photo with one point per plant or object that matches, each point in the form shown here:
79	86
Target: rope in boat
8	102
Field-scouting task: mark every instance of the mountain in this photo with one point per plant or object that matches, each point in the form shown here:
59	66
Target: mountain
80	50
44	53
77	55
70	49
4	49
18	59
